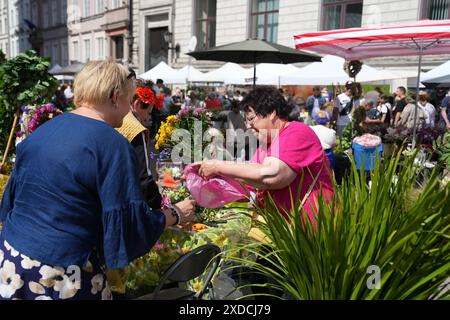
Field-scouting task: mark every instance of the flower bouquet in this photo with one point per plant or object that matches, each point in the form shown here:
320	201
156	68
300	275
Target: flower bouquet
32	117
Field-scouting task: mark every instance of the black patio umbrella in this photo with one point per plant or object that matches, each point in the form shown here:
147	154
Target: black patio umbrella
254	51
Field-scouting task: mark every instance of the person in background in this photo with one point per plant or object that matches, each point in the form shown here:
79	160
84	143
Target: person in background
178	98
158	86
345	104
62	228
373	95
238	96
445	111
407	117
385	109
235	125
315	102
326	94
399	104
326	135
428	108
68	92
167	102
303	112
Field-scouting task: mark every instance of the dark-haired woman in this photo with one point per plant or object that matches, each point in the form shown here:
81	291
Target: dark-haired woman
293	153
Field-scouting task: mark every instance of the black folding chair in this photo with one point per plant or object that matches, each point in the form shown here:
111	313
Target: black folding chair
188	267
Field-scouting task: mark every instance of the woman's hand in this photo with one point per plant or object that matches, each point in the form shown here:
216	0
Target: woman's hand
186	208
209	169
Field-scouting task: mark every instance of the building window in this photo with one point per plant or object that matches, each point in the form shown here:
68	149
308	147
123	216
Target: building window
341	14
45	14
115	4
98	6
86	8
55	55
100	48
35	14
87	50
55	16
205	21
264	19
76	51
118	47
64	11
436	9
64	54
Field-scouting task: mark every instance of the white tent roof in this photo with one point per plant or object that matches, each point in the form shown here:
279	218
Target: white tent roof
229	73
331	70
189	73
267	73
164	72
439	72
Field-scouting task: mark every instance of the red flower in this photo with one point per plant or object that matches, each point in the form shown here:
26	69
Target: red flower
146	95
213	104
159	101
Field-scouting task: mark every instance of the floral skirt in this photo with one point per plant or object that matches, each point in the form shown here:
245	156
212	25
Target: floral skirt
22	278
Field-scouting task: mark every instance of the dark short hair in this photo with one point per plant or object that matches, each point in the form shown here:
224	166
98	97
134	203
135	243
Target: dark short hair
159	81
265	100
316	88
402	89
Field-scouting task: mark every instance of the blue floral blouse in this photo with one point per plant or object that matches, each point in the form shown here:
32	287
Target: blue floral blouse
74	189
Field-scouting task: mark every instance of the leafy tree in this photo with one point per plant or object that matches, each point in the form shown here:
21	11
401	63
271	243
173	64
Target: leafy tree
24	80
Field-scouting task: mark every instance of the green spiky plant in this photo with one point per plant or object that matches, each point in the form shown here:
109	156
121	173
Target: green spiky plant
381	225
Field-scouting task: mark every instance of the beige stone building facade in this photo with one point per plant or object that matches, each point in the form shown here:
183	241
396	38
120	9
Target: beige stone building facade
99	29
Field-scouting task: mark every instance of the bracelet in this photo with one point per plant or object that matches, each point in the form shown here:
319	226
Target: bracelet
175	214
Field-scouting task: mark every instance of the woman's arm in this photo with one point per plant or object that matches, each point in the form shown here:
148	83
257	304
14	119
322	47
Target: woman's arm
272	174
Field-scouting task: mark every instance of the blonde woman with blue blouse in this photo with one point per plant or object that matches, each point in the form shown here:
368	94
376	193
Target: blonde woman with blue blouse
73	205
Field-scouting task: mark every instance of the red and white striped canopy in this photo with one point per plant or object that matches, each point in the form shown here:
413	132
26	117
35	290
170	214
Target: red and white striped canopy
430	36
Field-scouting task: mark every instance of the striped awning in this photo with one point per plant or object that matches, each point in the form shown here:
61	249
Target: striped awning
427	37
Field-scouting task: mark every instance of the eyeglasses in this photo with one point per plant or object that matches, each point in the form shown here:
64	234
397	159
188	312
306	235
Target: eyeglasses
132	74
250	121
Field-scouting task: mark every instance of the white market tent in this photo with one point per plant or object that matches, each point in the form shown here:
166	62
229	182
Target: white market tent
331	70
440	74
266	74
189	73
229	73
163	71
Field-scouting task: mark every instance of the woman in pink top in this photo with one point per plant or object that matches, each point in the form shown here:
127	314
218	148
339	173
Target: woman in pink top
293	151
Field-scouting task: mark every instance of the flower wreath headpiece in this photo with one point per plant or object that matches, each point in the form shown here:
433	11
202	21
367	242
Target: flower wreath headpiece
147	96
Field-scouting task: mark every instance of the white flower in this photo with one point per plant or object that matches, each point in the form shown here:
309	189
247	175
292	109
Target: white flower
2	256
10	282
14	253
36	288
28	263
43	298
97	283
49	275
106	293
66	287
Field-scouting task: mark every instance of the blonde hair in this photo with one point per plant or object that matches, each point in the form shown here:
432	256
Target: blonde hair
98	80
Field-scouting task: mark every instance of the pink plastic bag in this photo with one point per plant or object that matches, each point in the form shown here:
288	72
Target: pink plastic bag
215	192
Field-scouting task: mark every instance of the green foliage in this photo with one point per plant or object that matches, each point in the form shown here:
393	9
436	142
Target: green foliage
2	57
442	147
24	81
377	225
345	142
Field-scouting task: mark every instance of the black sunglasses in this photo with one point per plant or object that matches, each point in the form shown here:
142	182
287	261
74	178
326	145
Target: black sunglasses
132	74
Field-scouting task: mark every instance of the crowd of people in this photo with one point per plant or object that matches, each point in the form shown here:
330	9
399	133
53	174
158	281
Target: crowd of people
83	198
